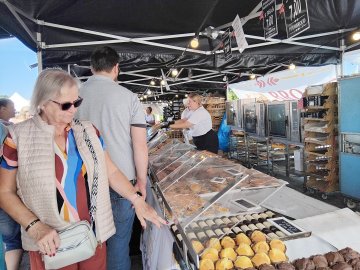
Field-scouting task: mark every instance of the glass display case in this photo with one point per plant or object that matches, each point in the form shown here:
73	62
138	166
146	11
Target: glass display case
198	189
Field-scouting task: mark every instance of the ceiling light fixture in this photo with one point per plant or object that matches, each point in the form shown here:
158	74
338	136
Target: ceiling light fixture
194	43
177	96
252	76
174	72
148	92
162	82
186	95
292	66
356	36
152	82
145	96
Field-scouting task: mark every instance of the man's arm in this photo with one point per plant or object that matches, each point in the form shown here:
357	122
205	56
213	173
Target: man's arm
138	136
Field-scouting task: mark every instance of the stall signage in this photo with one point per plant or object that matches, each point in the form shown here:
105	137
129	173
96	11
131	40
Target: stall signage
239	34
226	40
296	17
270	20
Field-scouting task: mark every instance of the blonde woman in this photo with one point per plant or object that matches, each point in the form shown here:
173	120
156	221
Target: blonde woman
200	125
48	170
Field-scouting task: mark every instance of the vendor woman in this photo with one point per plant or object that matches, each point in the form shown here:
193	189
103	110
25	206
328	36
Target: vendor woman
200	126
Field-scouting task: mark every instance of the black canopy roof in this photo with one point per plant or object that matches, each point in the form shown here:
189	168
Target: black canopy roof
154	34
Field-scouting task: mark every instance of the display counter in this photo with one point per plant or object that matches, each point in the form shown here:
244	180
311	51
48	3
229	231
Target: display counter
205	197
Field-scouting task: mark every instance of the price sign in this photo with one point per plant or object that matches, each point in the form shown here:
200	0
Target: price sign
226	40
296	17
270	20
239	34
290	229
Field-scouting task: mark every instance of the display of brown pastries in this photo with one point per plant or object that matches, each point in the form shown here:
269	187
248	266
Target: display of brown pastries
342	266
319	261
228	253
260	258
333	258
243	262
285	266
355	263
304	264
266	267
206	264
349	254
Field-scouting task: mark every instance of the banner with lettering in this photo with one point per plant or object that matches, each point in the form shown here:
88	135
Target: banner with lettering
283	85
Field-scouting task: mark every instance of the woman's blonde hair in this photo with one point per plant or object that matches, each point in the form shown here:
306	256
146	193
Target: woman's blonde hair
196	98
48	85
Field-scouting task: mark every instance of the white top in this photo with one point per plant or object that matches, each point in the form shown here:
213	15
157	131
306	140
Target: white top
186	114
201	121
149	118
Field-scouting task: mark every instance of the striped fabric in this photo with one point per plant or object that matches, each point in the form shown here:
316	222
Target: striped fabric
72	186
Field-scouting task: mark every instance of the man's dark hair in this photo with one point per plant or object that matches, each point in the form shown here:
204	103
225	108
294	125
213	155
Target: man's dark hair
150	109
4	102
104	59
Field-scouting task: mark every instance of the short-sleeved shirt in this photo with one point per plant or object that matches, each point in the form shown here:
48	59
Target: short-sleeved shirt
149	118
72	190
186	114
113	109
201	121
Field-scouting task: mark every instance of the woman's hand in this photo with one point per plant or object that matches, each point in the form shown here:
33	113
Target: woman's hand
47	239
146	212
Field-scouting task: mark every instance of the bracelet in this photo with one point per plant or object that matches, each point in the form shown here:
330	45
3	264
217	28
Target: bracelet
32	223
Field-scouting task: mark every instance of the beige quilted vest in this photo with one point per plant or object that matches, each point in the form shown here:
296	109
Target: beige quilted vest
36	175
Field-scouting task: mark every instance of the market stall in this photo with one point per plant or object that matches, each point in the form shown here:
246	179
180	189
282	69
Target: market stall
207	197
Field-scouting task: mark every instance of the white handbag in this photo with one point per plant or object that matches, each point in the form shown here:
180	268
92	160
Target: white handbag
78	241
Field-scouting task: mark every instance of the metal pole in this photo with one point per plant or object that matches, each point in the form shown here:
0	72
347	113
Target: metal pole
342	48
39	52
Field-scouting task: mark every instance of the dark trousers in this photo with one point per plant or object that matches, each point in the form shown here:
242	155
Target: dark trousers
208	141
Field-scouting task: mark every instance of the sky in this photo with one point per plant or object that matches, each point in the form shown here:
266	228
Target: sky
15	73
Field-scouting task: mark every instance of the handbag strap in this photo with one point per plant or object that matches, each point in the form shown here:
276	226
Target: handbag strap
94	189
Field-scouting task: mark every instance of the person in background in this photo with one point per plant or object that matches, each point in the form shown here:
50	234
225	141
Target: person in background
7	111
55	156
185	115
149	117
200	125
118	114
9	229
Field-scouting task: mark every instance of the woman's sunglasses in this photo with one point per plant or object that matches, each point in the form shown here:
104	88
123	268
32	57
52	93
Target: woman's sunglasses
67	105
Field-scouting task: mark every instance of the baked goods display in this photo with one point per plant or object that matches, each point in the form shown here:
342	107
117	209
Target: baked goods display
237	253
344	259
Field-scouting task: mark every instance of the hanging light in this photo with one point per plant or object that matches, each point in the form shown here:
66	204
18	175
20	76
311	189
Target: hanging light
292	66
252	76
356	36
186	95
148	92
194	43
162	82
174	72
141	98
176	95
145	96
152	82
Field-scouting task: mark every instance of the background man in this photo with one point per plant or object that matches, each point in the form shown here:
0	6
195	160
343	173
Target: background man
118	114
